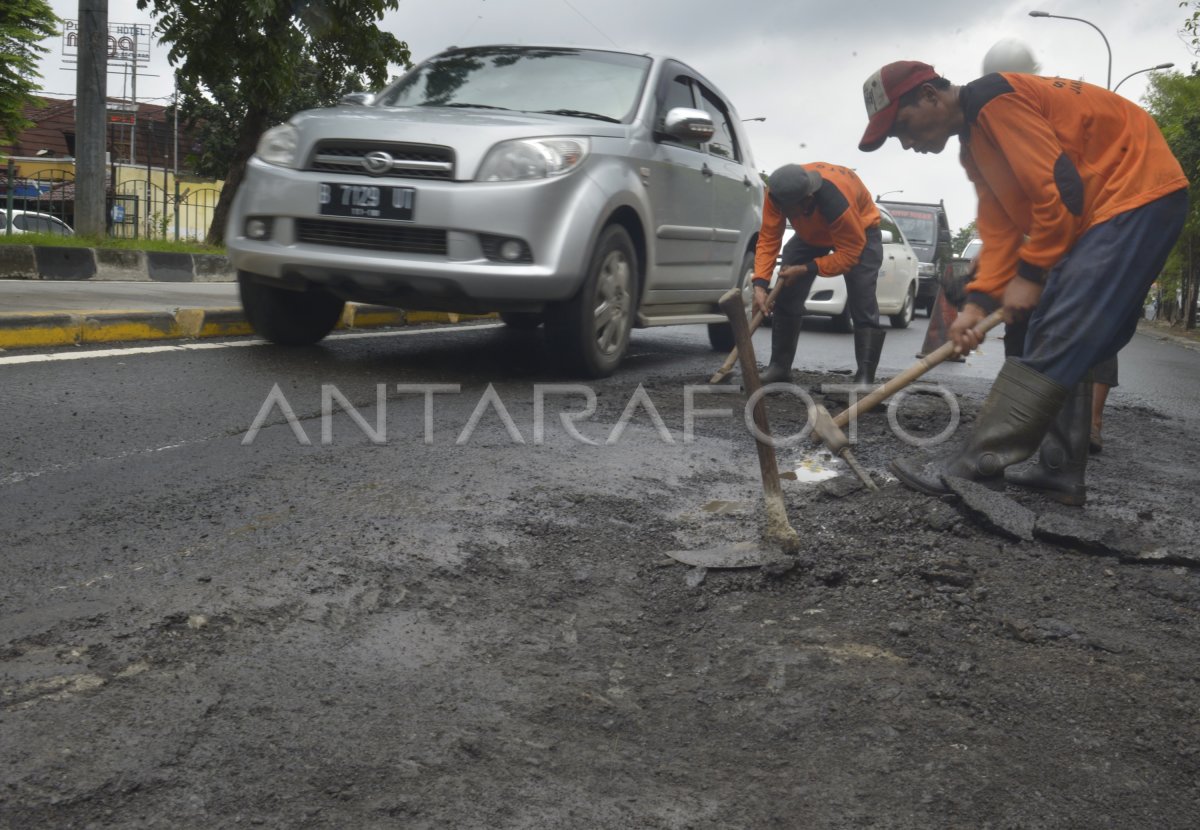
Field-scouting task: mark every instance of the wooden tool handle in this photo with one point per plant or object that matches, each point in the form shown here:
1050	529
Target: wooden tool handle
755	322
735	310
938	355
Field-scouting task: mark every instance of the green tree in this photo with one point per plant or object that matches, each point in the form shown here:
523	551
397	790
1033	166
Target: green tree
1174	101
963	236
245	65
1191	25
23	25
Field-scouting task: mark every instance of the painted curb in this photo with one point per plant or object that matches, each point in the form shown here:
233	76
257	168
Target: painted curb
47	262
26	331
65	263
40	330
17	260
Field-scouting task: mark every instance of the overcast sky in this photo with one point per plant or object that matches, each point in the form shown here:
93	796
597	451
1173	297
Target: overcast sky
799	63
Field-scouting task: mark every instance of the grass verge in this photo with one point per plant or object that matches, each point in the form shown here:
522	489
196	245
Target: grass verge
93	242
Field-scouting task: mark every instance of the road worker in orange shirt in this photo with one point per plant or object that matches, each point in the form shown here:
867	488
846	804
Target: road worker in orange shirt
1080	202
836	226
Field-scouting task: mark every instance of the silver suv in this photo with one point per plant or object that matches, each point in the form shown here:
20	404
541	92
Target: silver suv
591	191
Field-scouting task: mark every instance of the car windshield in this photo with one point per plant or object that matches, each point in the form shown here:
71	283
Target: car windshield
577	82
919	226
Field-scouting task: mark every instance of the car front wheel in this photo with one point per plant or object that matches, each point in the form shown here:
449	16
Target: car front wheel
905	316
842	321
286	317
590	331
720	335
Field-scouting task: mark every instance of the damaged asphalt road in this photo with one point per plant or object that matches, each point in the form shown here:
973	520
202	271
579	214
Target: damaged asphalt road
198	633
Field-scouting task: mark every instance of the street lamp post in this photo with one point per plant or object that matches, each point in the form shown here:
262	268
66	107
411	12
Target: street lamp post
879	197
1108	83
1140	71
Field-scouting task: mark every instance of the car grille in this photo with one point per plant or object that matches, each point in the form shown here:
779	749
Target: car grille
374	237
409	161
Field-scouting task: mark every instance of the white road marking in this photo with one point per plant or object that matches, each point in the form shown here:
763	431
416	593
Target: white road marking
17	359
18	477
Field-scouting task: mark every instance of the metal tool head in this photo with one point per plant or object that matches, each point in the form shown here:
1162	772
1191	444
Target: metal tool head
829	432
736	555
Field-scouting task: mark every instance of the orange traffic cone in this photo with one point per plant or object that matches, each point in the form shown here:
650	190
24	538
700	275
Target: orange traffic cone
940	318
958	273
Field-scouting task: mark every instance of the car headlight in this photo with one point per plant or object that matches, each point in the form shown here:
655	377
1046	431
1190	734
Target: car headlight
532	158
278	145
926	269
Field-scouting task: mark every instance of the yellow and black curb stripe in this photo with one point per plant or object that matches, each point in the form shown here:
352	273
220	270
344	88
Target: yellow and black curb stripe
56	262
37	330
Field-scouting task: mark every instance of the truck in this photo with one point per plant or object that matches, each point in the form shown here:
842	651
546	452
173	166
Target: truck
927	229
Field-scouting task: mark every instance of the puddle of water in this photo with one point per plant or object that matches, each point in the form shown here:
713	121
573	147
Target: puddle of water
810	469
722	508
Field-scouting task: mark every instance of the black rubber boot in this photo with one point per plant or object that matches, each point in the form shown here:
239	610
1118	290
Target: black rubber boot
785	333
1011	424
868	345
1062	458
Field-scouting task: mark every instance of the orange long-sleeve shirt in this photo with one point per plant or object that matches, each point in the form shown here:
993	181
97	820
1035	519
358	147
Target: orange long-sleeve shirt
1051	158
842	213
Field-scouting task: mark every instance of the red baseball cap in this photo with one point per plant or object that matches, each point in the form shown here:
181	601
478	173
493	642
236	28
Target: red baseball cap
882	92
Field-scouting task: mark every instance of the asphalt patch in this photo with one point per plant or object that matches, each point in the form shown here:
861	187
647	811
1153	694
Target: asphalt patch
993	510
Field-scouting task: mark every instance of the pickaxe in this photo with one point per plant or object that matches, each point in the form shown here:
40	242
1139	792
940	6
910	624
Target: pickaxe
755	322
829	429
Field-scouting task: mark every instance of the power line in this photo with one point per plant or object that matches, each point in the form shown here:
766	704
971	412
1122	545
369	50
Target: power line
590	23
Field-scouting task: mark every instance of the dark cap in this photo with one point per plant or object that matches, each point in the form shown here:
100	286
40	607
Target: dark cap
882	92
791	184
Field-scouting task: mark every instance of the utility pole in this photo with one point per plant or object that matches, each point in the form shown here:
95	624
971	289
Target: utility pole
133	100
91	91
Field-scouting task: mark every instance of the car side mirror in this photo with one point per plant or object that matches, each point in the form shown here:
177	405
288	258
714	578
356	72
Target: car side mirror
888	237
687	124
357	99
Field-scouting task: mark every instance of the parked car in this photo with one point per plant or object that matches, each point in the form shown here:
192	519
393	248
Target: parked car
26	221
896	289
928	232
589	190
971	249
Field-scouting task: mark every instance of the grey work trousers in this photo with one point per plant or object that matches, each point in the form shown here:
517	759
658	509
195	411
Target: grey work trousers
861	279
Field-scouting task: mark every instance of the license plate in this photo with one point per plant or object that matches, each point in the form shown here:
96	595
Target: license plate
367	201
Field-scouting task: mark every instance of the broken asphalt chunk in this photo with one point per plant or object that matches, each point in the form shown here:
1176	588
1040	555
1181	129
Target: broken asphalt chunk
993	510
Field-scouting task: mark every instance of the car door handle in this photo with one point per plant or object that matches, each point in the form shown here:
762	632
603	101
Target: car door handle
746	181
706	171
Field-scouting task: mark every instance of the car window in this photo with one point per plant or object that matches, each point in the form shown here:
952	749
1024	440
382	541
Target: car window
920	226
22	222
972	249
886	223
57	226
602	85
677	92
724	140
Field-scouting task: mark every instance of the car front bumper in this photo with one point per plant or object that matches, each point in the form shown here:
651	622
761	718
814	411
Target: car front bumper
555	218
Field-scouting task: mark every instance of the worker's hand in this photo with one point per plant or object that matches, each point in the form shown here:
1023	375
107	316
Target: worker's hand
1020	298
760	301
788	274
962	330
